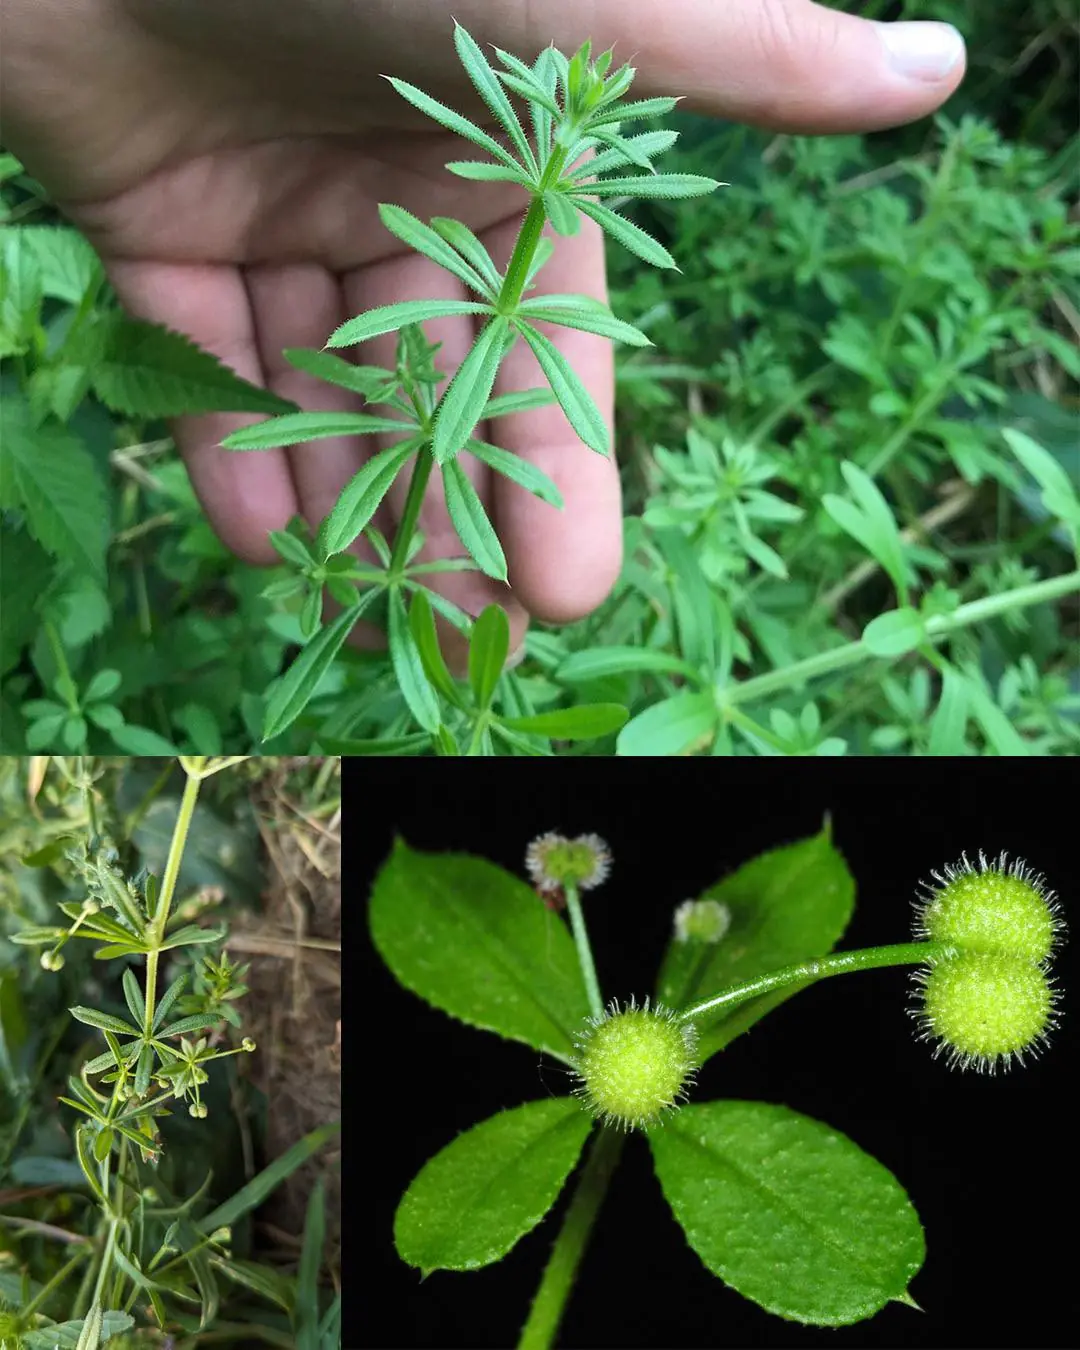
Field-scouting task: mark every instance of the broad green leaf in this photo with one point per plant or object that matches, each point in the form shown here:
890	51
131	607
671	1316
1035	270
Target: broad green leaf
389	318
480	171
48	474
295	428
489	645
297	686
602	662
560	212
471	1203
502	405
148	371
432	245
453	121
463	402
895	632
25	569
252	1195
408	668
473	940
66	259
788	905
492	92
582	723
103	1021
364	380
574	399
65	1335
672	727
469	246
517	469
471	522
588	319
20	293
787	1211
361	496
426	637
625	232
136	740
668	185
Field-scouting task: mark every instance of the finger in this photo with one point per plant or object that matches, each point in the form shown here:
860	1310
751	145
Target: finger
408	278
789	65
562	563
244	494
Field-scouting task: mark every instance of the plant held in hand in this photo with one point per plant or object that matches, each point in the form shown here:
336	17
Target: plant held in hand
732	1171
576	108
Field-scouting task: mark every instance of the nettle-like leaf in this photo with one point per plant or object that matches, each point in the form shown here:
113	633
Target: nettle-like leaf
788	905
147	371
787	1211
481	1194
474	940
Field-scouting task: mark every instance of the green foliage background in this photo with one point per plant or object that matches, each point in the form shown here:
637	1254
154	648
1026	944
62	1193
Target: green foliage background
895	301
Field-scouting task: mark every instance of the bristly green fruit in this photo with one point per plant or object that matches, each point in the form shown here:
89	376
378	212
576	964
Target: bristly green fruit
995	908
634	1066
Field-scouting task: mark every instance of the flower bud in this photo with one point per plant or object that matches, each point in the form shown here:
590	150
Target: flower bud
553	861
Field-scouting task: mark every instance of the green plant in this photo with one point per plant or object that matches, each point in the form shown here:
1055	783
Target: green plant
151	1250
733	1172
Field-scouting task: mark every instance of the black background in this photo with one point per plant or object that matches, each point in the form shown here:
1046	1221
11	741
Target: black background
989	1162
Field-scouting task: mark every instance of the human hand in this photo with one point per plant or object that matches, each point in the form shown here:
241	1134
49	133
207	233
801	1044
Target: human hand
228	164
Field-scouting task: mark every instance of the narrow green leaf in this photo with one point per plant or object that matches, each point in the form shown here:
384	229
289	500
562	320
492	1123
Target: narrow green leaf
667	185
471	249
602	662
523	80
426	637
489	645
66	1335
361	496
574	399
103	1021
518	470
671	727
389	318
298	685
949	722
631	112
133	996
544	250
469	390
453	121
895	632
134	740
268	1283
432	245
472	1202
492	92
523	401
588	319
788	905
257	1190
637	150
560	212
472	939
471	522
408	668
364	380
191	935
479	171
296	428
625	232
196	1022
787	1211
585	722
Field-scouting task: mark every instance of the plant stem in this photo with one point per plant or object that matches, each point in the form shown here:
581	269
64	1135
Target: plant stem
838	963
168	886
584	950
937	627
414	499
561	1270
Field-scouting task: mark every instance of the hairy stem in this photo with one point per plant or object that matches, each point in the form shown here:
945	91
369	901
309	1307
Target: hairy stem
584	950
160	918
561	1270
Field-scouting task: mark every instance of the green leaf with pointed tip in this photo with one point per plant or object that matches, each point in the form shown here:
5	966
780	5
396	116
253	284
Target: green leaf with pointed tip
630	112
432	245
560	212
103	1021
365	380
463	402
523	401
481	1194
625	232
582	723
361	496
408	668
492	92
488	648
297	686
469	246
638	150
473	940
574	399
672	726
478	170
666	185
515	468
787	1211
426	637
295	428
569	311
471	522
453	121
788	905
389	318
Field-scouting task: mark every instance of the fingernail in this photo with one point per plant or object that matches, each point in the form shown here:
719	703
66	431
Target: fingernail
922	51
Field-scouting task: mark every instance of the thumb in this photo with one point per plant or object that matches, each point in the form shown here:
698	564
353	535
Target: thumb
786	65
